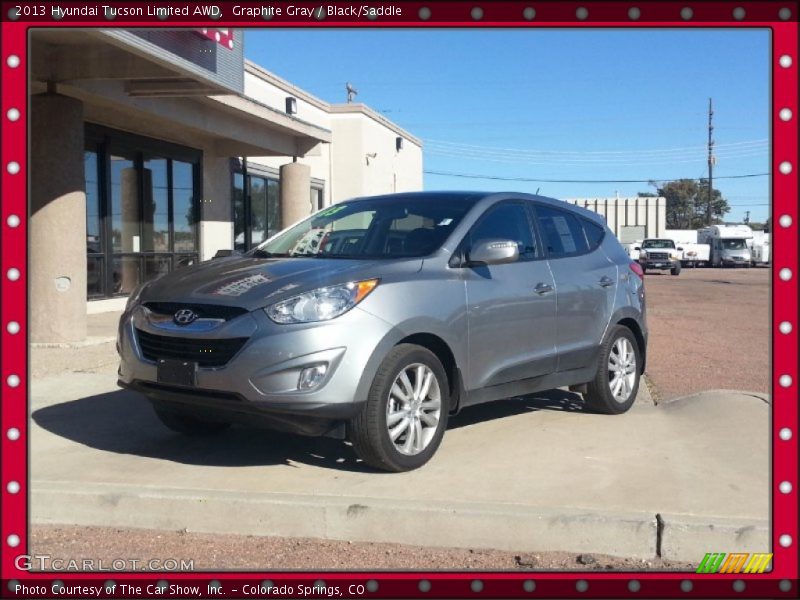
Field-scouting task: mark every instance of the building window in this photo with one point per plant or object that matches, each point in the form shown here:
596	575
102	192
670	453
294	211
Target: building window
316	198
256	208
142	200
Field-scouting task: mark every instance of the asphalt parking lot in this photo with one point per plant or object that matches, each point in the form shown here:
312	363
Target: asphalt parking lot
100	458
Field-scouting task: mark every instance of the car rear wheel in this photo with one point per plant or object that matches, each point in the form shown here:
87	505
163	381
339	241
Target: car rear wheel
405	416
188	424
616	384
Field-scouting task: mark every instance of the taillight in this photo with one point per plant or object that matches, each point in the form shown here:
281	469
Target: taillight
637	268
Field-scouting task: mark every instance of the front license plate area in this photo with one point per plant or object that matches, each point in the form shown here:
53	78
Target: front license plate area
176	372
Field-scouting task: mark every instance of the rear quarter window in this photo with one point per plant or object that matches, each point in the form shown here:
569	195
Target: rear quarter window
594	233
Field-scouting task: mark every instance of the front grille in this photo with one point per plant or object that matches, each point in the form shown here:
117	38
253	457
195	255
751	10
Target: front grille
205	352
203	311
657	255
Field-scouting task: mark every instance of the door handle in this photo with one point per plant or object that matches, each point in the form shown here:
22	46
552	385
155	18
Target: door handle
543	288
606	281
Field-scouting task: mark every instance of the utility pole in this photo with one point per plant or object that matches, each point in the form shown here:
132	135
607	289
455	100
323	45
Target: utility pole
747	217
711	160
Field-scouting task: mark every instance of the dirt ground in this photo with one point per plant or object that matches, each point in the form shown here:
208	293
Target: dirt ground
709	329
238	552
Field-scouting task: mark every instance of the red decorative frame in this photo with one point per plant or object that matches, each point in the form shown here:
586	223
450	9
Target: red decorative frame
781	582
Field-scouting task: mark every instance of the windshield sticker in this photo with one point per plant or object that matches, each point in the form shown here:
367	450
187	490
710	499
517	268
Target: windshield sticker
331	211
238	287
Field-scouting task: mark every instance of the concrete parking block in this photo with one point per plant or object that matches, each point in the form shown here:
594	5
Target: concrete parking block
451	524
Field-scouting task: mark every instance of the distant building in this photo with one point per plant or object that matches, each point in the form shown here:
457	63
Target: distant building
629	218
153	149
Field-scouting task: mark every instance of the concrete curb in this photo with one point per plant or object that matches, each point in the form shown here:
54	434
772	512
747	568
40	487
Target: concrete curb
687	537
89	341
456	524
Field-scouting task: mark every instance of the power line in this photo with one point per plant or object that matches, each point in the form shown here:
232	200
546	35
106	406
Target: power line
529	179
732	146
589	161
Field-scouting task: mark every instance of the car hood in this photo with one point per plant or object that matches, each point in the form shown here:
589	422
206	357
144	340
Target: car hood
253	283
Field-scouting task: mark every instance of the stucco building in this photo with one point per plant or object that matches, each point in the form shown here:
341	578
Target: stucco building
153	149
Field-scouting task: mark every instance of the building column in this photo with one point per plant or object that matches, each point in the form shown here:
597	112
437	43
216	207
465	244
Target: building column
57	226
216	210
295	193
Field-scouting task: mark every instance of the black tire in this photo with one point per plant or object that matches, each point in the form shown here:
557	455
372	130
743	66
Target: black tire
369	431
188	424
644	270
599	397
676	270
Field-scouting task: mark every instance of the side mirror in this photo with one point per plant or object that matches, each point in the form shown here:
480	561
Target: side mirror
680	248
637	247
226	253
493	252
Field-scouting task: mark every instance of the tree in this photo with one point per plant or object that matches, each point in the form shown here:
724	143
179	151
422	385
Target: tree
687	203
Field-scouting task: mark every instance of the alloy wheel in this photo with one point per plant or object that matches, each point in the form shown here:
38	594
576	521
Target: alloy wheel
621	369
413	409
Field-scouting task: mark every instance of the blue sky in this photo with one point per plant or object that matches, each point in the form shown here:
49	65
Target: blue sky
559	104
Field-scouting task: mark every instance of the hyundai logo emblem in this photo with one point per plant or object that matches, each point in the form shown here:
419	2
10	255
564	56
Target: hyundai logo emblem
185	316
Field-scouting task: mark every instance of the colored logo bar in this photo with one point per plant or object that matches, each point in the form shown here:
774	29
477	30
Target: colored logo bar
737	562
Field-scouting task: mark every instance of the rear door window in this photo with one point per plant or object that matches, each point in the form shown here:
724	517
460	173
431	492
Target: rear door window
561	231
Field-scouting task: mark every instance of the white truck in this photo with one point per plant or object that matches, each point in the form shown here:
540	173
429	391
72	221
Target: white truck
760	248
659	254
633	249
692	253
729	244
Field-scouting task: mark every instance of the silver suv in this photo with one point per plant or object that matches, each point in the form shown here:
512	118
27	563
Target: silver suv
376	318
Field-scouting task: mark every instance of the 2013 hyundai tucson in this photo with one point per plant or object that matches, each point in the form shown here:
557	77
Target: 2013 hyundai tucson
376	318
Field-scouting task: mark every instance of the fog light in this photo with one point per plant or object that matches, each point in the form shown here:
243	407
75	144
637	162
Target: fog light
311	377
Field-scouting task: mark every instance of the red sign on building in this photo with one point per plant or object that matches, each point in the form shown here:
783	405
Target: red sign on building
221	36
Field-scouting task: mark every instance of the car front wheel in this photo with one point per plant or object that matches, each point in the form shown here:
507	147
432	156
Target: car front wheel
614	388
403	421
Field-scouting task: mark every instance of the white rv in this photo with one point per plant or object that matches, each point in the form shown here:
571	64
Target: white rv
681	236
729	244
760	248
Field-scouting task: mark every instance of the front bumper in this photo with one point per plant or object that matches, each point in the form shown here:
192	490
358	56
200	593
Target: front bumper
259	383
736	260
659	264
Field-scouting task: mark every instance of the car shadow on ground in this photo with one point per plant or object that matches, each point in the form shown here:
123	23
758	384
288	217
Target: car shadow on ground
123	422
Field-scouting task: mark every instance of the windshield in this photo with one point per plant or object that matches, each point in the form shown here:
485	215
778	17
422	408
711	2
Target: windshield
661	244
733	244
377	228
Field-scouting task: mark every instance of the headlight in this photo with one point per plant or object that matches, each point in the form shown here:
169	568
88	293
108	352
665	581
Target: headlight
674	256
133	299
321	304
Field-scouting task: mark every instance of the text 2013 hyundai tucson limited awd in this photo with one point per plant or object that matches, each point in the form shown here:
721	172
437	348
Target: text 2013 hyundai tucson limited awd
377	317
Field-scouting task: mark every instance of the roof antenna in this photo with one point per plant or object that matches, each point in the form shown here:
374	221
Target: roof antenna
537	190
351	92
